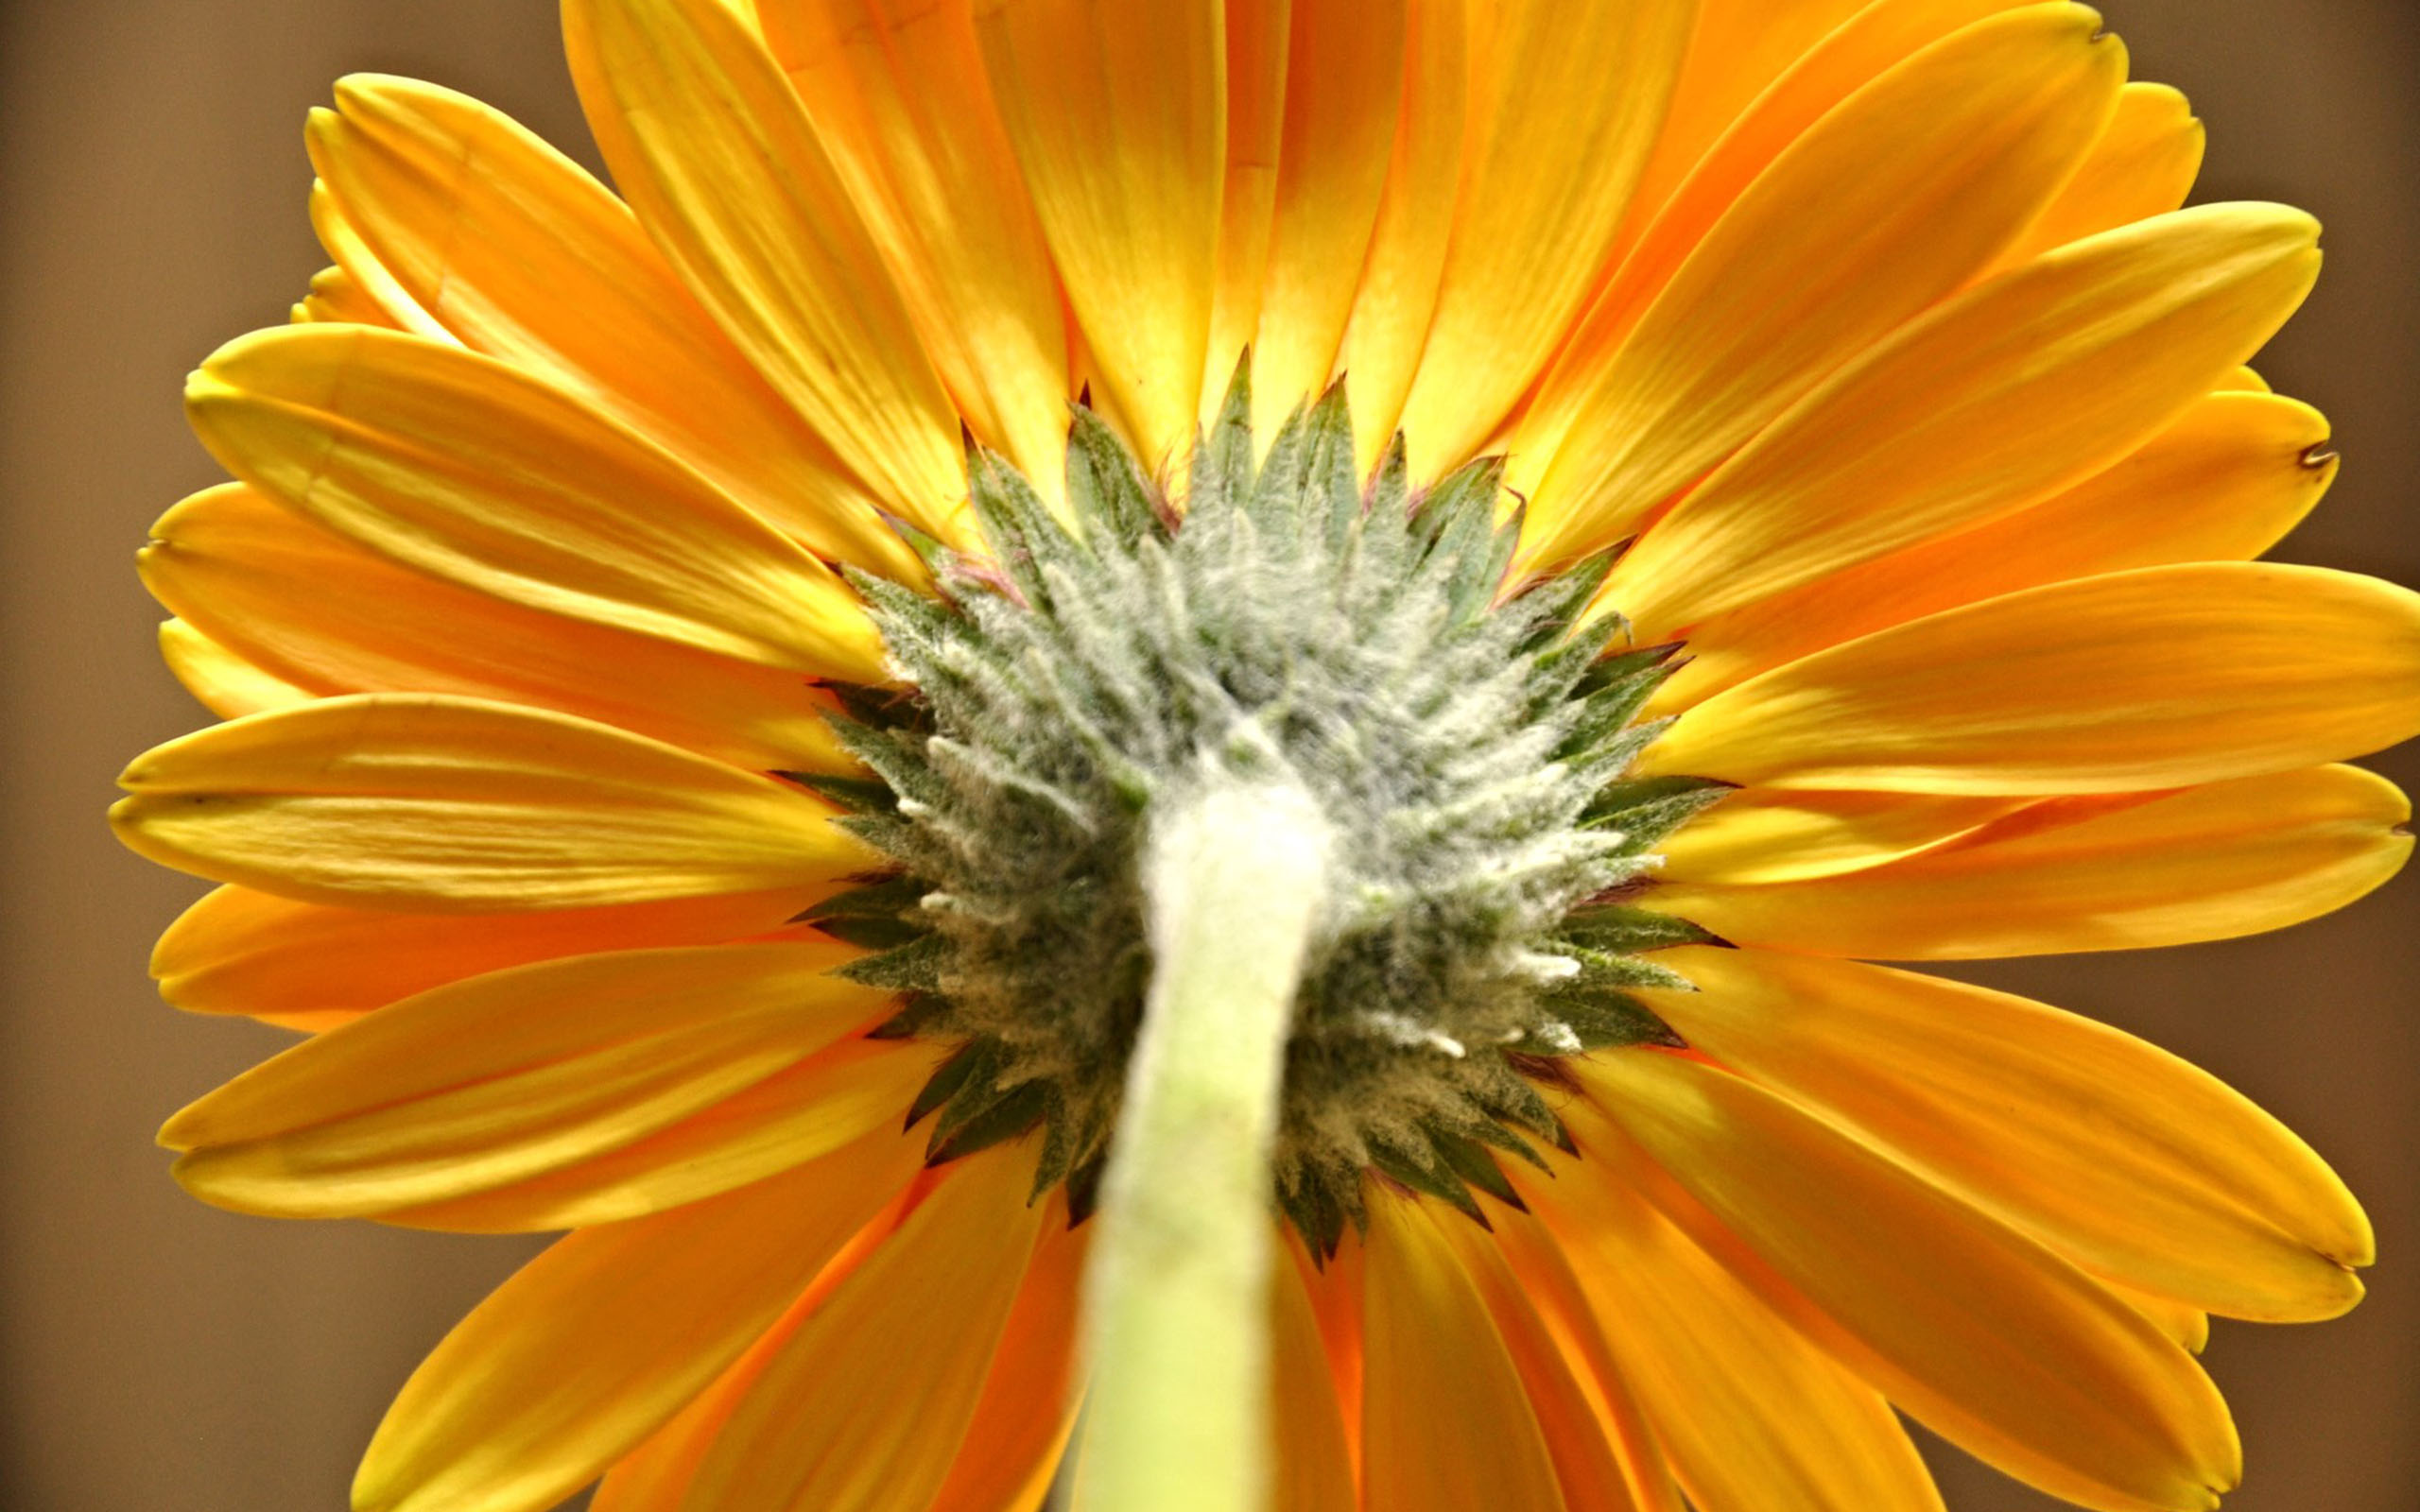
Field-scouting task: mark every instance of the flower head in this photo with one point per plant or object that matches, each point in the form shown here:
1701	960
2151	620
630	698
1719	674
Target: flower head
1113	660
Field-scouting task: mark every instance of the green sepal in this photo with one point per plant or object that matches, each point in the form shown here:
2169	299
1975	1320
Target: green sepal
1619	930
883	897
1611	1021
869	932
858	795
1220	475
880	708
923	1013
1426	1171
1013	1113
1476	1167
1083	1190
1105	484
1649	809
973	1059
1607	968
1312	1207
916	966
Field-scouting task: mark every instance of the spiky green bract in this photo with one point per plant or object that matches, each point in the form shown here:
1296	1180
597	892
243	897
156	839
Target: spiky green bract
1467	741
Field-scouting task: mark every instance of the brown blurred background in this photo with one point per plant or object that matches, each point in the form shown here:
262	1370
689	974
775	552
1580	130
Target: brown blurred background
157	1354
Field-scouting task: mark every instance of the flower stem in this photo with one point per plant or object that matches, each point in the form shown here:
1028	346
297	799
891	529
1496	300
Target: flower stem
1176	1296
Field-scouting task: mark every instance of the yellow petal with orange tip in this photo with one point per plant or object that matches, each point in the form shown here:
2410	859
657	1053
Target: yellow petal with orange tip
1258	45
591	1347
1697	175
2225	482
2127	1160
429	804
1973	1328
862	1408
843	1093
308	606
502	1078
2143	165
1751	1415
1446	1423
1397	292
1119	116
899	99
241	951
1761	837
1566	99
513	250
1588	1472
2129	682
2029	383
223	682
1344	85
2207	863
1029	1406
471	470
710	147
1891	201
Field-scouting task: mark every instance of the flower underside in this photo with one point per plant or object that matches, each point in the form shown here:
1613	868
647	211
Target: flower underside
1467	737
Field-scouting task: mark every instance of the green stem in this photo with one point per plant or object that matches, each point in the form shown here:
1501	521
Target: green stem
1177	1419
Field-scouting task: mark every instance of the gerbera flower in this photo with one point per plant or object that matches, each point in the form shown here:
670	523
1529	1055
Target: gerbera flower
1199	712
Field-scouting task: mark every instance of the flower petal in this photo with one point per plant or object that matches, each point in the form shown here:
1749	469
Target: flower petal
2028	383
2159	677
1314	1467
1988	1337
1766	836
512	248
225	684
1257	76
863	1407
595	1343
436	805
1566	99
2143	165
473	471
1029	1406
2124	1159
1446	1423
899	99
1118	115
1346	77
2224	482
1726	128
1890	201
2207	863
314	610
497	1079
1751	1415
710	145
309	965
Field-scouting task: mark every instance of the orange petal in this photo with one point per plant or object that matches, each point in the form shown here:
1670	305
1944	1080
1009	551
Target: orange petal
2143	165
224	683
1029	1407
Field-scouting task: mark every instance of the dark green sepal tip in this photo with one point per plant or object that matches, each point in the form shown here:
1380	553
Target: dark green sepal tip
1475	1167
1012	1115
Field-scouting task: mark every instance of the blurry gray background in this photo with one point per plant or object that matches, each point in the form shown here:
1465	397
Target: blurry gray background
158	1355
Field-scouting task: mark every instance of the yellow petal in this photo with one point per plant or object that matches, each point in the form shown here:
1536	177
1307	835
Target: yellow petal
1397	293
1314	1467
1752	1417
1726	128
371	278
2031	383
436	805
2189	1325
2224	482
1029	1407
1566	99
238	951
899	99
225	684
1591	1476
512	248
1258	48
1890	201
2207	863
1446	1420
813	1108
1766	836
316	612
1119	116
863	1407
494	1080
597	1342
2129	1162
1345	73
1982	1333
2158	677
336	296
2143	165
473	471
710	145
